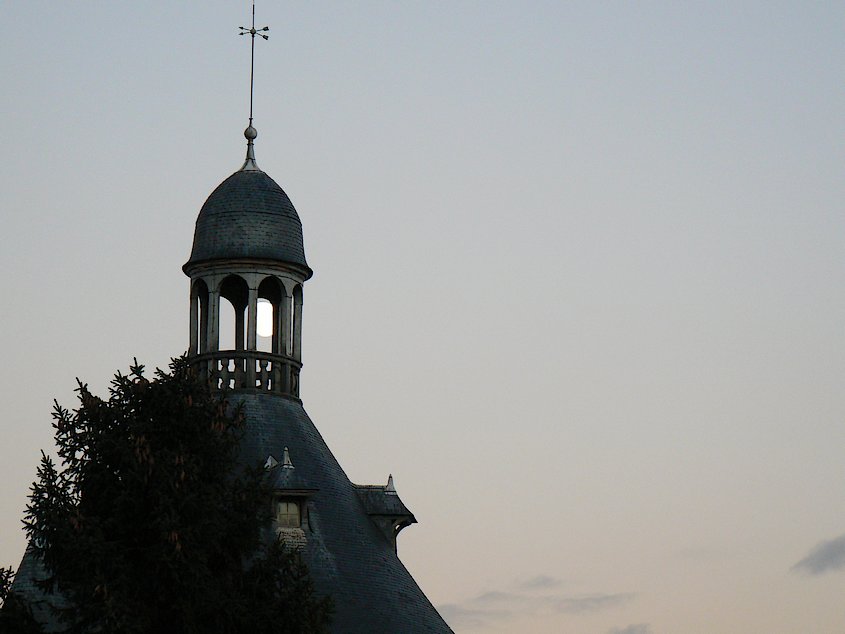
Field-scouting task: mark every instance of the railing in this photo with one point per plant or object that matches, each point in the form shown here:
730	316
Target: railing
250	369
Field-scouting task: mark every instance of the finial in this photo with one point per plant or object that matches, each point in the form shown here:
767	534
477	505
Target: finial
251	133
286	463
390	489
249	164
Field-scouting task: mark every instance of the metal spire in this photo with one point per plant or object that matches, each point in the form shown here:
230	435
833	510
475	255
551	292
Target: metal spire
251	133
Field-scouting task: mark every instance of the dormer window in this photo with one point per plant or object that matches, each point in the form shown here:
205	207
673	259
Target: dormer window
288	514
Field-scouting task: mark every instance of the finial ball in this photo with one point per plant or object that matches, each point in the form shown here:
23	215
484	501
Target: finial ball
250	133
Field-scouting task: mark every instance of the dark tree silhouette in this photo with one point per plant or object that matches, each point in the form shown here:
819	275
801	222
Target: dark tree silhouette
149	524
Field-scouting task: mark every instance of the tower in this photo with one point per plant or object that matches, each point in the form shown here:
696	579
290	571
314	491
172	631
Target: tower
248	251
248	260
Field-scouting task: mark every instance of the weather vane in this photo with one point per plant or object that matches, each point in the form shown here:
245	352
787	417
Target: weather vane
251	133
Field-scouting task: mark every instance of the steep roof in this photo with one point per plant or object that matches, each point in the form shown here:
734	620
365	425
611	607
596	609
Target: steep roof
349	557
378	501
44	605
248	216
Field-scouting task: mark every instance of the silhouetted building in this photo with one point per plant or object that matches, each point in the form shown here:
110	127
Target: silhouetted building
248	259
248	251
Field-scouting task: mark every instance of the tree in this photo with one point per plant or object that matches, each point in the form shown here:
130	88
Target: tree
151	525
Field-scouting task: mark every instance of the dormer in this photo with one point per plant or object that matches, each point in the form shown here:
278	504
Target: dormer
385	509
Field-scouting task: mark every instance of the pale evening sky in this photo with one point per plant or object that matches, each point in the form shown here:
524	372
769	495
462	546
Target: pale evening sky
578	277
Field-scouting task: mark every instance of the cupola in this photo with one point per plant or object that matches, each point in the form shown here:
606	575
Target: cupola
247	268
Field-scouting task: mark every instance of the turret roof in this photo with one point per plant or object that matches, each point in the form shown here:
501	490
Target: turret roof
248	216
349	558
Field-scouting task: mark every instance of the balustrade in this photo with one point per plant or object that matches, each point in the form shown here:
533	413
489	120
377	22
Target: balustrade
250	369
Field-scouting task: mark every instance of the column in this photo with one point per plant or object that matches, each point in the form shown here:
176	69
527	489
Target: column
193	325
251	334
285	326
213	321
297	326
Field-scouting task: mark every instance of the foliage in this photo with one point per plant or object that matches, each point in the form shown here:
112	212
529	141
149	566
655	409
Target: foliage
150	524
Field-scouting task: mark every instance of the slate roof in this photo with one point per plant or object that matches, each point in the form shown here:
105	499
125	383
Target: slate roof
26	584
248	216
377	501
289	479
350	559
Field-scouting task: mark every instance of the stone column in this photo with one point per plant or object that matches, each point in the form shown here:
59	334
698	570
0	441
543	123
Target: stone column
194	349
297	326
251	334
214	320
275	347
252	320
203	325
285	326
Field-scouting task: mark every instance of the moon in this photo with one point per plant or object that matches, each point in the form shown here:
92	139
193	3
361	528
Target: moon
264	327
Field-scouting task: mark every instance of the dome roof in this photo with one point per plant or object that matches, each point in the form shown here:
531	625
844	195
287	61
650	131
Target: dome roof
248	216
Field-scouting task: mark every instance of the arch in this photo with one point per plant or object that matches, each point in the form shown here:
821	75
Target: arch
272	292
234	347
199	317
232	329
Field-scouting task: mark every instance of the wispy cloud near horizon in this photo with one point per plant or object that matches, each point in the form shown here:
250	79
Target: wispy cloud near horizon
824	557
638	628
528	598
540	582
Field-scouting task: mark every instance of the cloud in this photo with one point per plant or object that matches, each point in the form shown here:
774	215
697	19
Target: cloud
593	603
639	628
496	598
540	582
529	598
461	616
825	557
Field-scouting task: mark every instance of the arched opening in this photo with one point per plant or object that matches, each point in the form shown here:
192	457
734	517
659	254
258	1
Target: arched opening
269	312
227	322
264	330
199	317
233	313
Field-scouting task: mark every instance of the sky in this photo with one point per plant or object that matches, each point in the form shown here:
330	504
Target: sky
578	277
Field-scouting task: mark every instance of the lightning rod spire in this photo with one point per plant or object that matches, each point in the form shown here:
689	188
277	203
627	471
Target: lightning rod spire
251	133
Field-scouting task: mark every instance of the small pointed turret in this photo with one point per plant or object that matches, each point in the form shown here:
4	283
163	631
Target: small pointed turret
286	463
